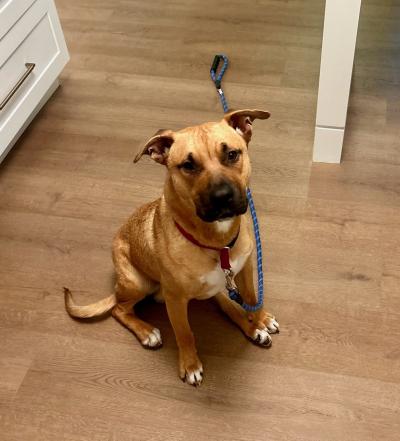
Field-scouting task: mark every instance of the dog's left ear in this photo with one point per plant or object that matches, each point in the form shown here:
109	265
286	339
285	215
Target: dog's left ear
157	147
241	121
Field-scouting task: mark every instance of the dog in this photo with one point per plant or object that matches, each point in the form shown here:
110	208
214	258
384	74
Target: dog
169	247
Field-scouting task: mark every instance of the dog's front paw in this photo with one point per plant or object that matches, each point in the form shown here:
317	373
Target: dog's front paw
153	339
191	370
271	324
260	336
262	319
262	324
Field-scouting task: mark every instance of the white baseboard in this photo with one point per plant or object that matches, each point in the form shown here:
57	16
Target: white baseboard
328	144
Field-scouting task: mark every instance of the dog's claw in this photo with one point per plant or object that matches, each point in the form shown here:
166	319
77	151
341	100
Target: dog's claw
193	377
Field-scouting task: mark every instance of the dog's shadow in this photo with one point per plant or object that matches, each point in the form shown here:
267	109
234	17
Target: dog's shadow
214	333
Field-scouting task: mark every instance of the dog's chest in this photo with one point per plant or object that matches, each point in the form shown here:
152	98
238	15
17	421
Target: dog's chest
214	281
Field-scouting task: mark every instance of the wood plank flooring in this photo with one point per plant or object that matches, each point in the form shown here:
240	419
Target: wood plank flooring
330	232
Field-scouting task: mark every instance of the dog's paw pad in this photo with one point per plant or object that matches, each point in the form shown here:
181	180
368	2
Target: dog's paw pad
153	340
272	326
262	338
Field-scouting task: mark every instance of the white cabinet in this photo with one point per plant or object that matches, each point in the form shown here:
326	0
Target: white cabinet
32	55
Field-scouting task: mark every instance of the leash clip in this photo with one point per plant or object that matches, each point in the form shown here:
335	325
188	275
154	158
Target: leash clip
229	282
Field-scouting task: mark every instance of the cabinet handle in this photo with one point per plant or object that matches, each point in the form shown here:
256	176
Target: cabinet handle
11	93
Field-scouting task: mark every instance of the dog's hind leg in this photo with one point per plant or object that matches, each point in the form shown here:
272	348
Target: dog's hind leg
148	335
131	287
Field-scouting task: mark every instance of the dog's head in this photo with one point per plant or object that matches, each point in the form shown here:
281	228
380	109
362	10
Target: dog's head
208	165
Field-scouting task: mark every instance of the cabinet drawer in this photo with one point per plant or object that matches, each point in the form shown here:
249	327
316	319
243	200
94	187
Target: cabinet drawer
35	44
10	12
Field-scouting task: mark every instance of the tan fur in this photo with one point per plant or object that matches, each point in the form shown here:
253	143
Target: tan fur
88	311
151	255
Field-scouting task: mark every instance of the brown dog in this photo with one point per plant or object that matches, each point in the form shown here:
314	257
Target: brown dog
204	201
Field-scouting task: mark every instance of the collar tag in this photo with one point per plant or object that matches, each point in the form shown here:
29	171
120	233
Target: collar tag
224	258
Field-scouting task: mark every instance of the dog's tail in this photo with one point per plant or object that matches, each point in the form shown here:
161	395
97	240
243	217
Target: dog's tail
88	311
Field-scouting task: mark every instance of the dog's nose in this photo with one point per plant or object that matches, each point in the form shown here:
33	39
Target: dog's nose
222	194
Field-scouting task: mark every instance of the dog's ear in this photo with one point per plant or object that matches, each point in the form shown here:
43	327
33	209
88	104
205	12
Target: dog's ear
157	147
241	121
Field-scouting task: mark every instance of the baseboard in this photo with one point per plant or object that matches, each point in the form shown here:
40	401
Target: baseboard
328	144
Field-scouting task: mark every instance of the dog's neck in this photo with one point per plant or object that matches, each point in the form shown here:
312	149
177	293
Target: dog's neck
214	234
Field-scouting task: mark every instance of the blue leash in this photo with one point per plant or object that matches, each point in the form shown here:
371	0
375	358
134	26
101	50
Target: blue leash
234	293
218	78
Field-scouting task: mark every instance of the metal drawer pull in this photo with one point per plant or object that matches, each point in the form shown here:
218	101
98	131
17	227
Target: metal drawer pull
29	69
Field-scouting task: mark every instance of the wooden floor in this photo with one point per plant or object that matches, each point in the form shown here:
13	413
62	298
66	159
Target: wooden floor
330	232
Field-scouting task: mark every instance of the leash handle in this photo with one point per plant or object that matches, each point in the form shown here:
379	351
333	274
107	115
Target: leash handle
234	293
217	77
215	64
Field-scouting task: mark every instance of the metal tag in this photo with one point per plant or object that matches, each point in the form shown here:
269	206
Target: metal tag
229	282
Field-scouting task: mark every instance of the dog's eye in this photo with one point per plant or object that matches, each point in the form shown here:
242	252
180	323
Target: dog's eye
188	166
233	155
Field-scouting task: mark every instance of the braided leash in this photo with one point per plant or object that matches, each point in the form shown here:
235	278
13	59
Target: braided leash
218	78
234	293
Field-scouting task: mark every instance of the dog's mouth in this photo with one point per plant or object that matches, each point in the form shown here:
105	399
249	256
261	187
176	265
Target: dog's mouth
221	214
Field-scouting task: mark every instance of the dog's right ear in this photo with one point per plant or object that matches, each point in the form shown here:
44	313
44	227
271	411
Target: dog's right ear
157	147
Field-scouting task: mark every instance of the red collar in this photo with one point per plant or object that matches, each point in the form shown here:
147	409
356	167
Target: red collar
223	252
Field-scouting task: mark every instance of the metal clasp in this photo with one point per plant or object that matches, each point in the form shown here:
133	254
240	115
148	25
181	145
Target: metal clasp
229	281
